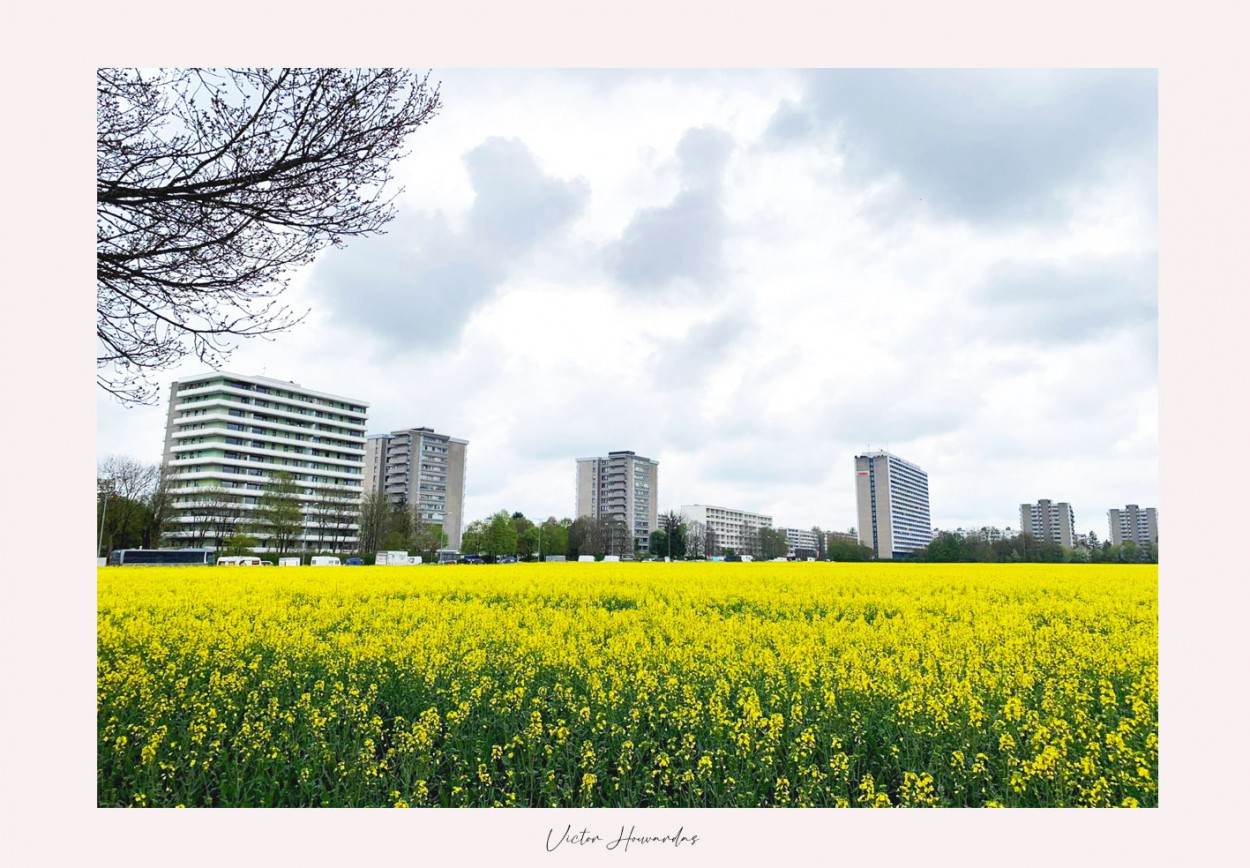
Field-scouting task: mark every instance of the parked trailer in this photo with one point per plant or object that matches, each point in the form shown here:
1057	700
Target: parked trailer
384	559
239	561
288	562
414	560
326	561
125	557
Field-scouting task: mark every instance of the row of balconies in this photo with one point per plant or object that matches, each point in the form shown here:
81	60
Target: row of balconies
350	473
196	428
290	421
295	398
268	406
272	429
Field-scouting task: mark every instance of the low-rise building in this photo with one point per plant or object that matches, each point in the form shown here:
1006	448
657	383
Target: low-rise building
801	543
733	528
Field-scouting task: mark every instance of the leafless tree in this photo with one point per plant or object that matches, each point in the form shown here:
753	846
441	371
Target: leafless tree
160	502
333	515
372	518
617	540
212	185
750	541
695	540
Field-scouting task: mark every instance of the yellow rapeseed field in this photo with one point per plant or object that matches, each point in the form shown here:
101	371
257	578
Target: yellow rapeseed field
629	685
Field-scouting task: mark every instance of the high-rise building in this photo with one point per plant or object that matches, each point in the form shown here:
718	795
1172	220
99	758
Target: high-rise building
227	437
1134	524
892	496
732	528
622	486
420	470
1044	520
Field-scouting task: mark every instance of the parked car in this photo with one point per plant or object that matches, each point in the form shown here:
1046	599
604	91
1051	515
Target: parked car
474	560
354	562
507	560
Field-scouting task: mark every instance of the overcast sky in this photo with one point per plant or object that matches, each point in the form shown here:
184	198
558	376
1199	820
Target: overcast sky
751	276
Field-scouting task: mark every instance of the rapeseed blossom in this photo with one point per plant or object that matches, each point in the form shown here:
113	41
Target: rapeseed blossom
622	685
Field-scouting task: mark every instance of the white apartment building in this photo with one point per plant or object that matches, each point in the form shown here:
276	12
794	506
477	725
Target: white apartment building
422	471
1134	524
1045	520
801	540
892	498
623	486
226	435
734	528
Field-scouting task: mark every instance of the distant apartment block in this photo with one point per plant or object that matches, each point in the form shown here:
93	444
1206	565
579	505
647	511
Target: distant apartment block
227	435
623	486
804	541
417	469
1134	524
892	496
1045	520
734	528
841	536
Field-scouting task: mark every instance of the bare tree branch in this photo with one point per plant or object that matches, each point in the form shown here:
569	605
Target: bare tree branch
214	185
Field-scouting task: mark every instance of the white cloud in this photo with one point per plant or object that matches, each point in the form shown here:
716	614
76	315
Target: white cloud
751	276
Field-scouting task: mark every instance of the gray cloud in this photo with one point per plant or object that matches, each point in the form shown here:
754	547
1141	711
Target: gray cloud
790	123
1057	304
684	364
982	145
684	239
418	284
516	203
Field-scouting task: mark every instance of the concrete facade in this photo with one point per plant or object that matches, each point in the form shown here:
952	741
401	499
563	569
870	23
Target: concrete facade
1055	522
624	486
423	471
1133	523
227	435
732	526
892	500
797	538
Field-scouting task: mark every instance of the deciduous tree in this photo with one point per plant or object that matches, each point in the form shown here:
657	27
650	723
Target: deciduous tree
212	185
279	514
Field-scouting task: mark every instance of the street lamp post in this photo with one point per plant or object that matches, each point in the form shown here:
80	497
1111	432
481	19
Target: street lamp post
99	541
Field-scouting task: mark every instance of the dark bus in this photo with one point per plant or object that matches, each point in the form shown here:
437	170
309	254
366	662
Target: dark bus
125	557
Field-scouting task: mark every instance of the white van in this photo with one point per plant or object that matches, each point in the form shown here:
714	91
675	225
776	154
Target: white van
326	561
585	559
288	562
239	561
611	559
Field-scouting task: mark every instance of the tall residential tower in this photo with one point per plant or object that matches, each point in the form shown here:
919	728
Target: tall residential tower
892	496
1135	524
623	486
1049	521
422	471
